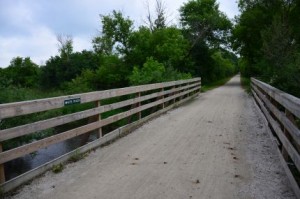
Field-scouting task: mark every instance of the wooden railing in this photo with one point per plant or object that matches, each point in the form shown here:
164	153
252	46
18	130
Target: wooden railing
139	98
282	112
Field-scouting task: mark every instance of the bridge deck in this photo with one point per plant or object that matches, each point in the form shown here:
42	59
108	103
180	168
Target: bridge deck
215	146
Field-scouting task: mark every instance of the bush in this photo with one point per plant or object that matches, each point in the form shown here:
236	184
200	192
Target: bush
154	72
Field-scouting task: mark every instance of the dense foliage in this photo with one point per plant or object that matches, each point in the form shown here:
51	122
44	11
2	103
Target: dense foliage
124	55
267	36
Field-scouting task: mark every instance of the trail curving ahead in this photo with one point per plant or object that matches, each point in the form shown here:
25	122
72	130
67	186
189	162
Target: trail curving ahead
215	146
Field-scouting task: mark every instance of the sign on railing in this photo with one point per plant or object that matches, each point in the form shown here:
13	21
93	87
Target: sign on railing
140	98
72	101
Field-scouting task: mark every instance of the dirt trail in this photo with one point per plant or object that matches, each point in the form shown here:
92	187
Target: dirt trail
215	146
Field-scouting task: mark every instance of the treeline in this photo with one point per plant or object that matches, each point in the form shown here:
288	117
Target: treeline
267	36
124	55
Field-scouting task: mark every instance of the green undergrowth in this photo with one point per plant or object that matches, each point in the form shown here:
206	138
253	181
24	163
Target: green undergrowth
246	84
57	168
77	156
215	84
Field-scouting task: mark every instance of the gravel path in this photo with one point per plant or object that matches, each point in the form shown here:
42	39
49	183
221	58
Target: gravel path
215	146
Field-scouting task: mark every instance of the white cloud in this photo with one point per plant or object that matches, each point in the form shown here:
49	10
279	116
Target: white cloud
29	28
40	45
229	7
80	43
18	13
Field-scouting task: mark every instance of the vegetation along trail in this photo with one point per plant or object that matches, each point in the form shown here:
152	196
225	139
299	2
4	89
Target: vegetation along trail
216	146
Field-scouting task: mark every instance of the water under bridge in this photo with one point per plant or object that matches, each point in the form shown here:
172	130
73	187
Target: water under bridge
223	143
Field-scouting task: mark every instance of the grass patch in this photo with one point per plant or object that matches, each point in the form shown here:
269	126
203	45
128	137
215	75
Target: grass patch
246	84
57	168
77	156
214	84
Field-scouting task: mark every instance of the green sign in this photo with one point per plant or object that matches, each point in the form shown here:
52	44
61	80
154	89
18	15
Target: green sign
72	101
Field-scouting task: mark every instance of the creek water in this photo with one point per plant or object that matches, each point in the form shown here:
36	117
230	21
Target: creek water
26	163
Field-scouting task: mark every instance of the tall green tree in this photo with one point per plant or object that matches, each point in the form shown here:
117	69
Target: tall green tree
207	30
115	33
65	46
267	37
203	21
158	20
59	69
166	45
22	72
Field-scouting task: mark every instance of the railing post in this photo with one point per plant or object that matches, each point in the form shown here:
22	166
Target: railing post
290	116
162	97
2	174
99	133
180	98
200	86
139	104
174	94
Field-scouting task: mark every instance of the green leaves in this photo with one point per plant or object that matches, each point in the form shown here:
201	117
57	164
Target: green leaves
154	72
166	45
114	35
267	37
21	72
151	72
203	21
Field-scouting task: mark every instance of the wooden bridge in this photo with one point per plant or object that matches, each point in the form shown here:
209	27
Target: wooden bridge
214	146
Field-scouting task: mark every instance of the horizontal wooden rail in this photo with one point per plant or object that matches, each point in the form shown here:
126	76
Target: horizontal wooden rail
49	123
161	95
29	148
288	101
34	106
281	111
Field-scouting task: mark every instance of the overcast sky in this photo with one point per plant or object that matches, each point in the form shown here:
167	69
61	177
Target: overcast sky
29	28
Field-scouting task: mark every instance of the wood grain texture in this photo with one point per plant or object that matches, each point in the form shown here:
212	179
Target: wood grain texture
288	101
289	174
53	122
29	148
15	182
33	106
287	123
293	153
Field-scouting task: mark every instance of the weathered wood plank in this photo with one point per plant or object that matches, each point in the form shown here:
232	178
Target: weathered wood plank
288	101
285	142
33	106
2	173
289	174
29	148
14	183
292	129
99	134
53	122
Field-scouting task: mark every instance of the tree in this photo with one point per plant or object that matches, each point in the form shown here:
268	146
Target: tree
151	72
202	21
22	72
154	72
59	70
114	35
247	40
111	74
267	37
65	46
207	30
160	19
166	45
